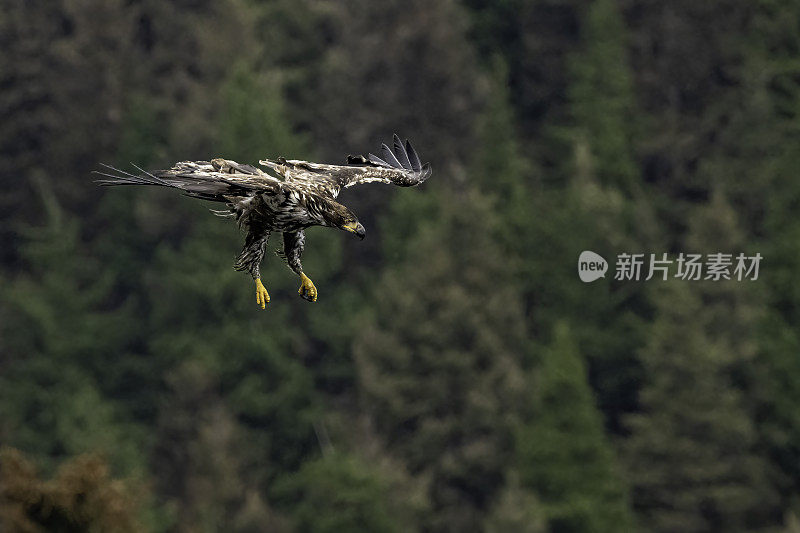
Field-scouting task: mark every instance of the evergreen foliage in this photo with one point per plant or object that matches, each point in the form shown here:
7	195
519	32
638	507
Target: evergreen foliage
563	454
339	493
692	452
455	374
441	384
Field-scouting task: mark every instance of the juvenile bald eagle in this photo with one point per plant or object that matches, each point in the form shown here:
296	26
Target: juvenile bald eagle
300	195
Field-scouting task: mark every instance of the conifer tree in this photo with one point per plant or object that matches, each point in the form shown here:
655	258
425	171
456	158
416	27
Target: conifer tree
762	169
601	101
340	493
544	226
202	456
438	363
692	454
504	175
754	158
563	454
604	206
422	75
58	335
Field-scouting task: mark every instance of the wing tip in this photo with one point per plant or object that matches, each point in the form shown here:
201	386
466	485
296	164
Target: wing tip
425	172
403	157
416	164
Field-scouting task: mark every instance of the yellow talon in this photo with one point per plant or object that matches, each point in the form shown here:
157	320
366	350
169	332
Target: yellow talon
307	290
262	296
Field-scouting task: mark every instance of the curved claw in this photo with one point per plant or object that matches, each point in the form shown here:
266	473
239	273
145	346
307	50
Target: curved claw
307	290
262	296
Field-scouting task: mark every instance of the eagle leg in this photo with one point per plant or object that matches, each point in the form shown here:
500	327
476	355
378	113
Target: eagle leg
293	246
250	258
307	290
262	296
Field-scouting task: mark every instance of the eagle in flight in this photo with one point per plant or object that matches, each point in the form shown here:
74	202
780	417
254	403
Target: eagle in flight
299	195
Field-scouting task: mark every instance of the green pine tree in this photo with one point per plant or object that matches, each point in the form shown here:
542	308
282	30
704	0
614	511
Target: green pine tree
543	226
692	454
763	172
602	103
59	333
563	454
253	123
340	493
438	362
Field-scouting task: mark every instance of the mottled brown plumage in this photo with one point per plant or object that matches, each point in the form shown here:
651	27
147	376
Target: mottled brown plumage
300	194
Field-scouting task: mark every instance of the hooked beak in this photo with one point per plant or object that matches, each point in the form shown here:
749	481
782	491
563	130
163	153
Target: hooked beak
356	229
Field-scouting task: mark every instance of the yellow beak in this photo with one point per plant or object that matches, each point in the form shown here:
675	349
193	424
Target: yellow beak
355	228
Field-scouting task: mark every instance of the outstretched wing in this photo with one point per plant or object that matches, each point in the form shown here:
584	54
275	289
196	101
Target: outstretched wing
216	180
400	166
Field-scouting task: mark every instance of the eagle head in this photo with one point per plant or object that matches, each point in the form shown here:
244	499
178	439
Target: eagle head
341	217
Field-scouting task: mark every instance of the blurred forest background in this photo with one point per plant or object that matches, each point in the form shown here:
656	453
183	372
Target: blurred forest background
455	374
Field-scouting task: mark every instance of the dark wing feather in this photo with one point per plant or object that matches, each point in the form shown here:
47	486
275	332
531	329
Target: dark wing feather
400	153
389	156
371	158
416	164
213	180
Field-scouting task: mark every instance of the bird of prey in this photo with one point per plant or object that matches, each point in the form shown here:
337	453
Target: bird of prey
297	195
